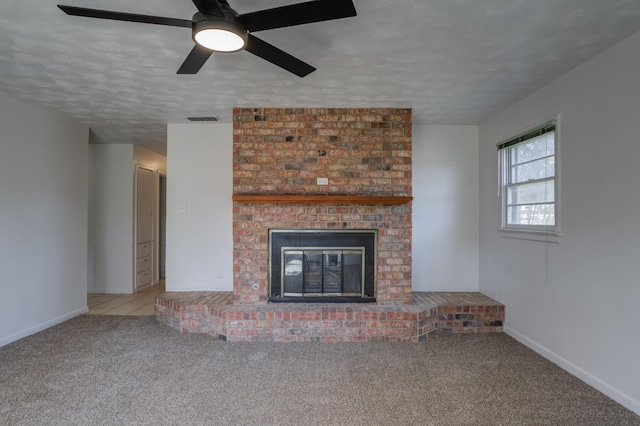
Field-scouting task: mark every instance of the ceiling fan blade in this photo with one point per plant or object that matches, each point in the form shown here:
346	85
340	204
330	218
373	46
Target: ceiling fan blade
121	16
196	59
209	7
297	14
277	57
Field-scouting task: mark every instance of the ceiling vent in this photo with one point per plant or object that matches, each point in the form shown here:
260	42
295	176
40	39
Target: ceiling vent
203	118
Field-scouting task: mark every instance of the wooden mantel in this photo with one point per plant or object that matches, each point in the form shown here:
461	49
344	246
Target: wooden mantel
369	200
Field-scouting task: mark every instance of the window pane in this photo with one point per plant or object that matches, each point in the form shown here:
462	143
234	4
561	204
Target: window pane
540	214
534	148
550	139
528	182
535	192
538	169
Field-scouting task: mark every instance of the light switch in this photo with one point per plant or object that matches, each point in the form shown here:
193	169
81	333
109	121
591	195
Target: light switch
182	208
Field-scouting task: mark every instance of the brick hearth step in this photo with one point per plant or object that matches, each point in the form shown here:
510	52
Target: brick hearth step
214	313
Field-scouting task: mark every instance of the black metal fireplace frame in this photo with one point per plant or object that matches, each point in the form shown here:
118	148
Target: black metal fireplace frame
279	238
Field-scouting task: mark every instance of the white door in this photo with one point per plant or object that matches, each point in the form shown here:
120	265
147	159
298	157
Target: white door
144	226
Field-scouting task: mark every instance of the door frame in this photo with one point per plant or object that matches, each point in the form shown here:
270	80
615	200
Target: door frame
156	275
154	202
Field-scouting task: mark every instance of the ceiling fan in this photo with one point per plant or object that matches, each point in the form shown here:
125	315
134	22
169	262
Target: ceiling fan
216	27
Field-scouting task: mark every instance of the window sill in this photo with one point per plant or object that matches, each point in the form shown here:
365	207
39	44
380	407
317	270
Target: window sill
545	237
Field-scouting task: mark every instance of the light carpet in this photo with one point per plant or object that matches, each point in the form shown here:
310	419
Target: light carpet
106	370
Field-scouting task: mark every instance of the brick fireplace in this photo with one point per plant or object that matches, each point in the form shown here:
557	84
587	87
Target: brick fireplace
365	155
281	152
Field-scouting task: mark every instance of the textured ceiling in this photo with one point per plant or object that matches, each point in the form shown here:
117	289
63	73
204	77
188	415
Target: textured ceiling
452	61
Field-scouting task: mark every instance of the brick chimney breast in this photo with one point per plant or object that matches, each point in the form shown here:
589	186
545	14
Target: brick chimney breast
360	151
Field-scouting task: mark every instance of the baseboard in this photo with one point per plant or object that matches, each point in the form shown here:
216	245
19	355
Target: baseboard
585	376
42	326
110	290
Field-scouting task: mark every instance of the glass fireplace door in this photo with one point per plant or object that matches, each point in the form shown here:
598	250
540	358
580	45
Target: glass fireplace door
320	272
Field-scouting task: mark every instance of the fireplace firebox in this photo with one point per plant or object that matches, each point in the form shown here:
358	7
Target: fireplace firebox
322	265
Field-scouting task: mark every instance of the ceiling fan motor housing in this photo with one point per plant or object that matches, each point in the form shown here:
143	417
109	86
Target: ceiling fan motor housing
228	22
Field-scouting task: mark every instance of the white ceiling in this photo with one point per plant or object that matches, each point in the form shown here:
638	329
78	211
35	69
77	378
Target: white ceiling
452	61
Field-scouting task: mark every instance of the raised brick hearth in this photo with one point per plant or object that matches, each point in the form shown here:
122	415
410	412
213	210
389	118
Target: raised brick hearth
213	313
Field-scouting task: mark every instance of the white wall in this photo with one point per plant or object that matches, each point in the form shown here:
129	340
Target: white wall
43	219
445	208
200	241
111	218
576	302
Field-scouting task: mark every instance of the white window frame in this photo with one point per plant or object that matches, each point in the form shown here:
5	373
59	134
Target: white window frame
548	233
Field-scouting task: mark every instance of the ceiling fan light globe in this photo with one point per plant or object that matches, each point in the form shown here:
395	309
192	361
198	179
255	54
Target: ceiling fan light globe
219	40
